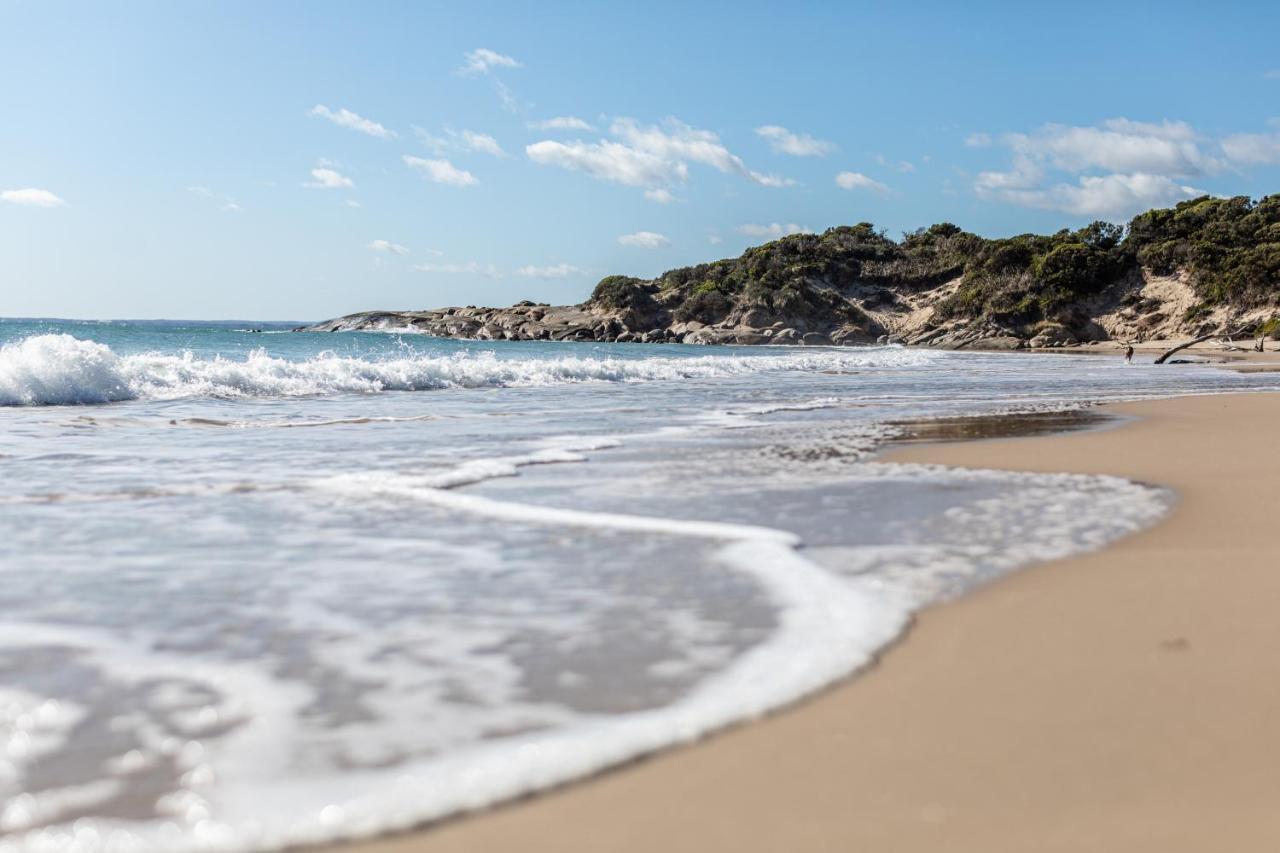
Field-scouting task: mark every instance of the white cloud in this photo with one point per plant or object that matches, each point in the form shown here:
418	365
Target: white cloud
609	161
1252	148
1116	169
715	239
203	192
905	167
978	140
775	229
661	196
328	179
441	171
388	247
647	156
1025	173
32	197
482	142
230	207
677	141
482	61
1170	148
644	240
1113	197
555	271
859	181
796	144
346	118
351	202
469	268
561	123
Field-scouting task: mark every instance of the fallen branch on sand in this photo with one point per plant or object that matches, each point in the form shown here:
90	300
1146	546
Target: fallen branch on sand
1180	347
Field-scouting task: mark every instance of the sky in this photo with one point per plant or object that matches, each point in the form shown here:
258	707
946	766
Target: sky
288	160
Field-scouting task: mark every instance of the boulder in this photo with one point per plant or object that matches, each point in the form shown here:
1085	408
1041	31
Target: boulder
786	336
1002	342
749	337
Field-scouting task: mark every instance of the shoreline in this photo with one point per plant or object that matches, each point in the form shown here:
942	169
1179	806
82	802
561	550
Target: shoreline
1118	699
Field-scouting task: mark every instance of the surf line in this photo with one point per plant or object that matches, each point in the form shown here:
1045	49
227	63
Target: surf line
828	628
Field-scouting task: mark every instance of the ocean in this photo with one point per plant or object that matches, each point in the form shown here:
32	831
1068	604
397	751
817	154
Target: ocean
264	588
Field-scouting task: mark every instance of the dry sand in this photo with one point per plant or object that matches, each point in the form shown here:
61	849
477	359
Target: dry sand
1127	700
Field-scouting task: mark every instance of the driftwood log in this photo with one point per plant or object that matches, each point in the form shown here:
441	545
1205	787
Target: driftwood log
1164	356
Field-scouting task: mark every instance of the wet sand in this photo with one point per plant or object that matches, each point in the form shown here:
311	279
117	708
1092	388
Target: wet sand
1125	700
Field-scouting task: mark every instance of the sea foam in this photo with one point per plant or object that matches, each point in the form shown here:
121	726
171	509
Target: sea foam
50	370
56	370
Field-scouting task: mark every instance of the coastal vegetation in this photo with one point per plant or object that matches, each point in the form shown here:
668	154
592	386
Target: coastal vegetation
1229	250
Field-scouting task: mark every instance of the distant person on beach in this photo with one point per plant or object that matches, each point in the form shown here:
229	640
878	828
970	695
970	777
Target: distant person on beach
1128	354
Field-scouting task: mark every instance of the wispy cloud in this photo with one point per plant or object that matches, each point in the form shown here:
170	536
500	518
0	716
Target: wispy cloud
482	60
226	203
784	141
346	118
468	268
978	140
644	240
775	229
554	271
652	156
32	197
328	179
388	247
441	171
859	181
561	123
459	140
661	196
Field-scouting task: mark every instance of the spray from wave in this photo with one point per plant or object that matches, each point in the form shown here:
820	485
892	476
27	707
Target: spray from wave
51	370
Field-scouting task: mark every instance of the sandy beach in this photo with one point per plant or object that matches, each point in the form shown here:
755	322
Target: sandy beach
1122	700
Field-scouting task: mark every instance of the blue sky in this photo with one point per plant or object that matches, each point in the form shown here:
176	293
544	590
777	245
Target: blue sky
298	161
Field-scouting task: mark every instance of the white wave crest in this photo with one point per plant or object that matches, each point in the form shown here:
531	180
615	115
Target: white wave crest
47	370
55	370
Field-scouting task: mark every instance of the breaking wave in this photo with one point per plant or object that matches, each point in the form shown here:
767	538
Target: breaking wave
58	369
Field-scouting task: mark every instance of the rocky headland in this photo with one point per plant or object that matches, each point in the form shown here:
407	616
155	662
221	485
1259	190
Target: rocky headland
1208	265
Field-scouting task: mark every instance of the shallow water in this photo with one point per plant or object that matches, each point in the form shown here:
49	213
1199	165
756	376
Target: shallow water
273	588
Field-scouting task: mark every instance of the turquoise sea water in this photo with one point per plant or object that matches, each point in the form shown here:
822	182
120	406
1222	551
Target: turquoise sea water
264	588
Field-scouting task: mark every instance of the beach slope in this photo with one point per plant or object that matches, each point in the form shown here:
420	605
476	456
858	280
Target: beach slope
1126	700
